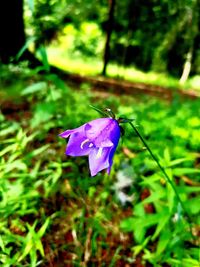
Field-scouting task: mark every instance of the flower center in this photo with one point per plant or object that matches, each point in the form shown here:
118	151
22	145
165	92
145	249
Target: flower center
85	142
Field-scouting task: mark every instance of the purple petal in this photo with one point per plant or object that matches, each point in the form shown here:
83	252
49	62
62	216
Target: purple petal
98	139
99	131
115	136
66	134
111	155
98	160
78	145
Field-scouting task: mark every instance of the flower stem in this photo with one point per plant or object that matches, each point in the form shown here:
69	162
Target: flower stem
164	173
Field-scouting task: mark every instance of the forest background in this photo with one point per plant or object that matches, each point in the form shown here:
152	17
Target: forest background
141	59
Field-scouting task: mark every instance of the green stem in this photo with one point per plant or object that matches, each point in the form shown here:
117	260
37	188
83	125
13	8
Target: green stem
163	171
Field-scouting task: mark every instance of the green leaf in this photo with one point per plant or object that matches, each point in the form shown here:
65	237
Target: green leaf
128	224
17	164
7	149
33	88
165	218
9	129
43	113
164	240
42	230
193	205
58	82
137	249
37	151
183	171
43	56
178	161
25	47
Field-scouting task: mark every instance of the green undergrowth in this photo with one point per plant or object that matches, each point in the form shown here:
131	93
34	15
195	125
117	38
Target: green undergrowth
79	64
52	213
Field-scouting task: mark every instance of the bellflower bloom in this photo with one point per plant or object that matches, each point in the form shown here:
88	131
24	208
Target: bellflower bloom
97	139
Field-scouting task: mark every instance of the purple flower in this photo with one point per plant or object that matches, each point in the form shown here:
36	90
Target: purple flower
98	139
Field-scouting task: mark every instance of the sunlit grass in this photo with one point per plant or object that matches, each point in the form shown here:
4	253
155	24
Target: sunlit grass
72	52
51	209
73	64
93	66
134	75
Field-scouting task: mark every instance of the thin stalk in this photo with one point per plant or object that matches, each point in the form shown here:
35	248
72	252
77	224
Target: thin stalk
105	114
164	173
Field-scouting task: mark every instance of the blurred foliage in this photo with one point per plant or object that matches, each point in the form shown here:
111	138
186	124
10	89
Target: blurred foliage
46	18
151	35
52	212
157	33
87	41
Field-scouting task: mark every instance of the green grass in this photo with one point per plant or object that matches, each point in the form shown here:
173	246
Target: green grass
52	213
73	64
93	66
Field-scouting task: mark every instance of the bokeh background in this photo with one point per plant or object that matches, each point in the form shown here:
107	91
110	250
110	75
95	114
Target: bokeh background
141	59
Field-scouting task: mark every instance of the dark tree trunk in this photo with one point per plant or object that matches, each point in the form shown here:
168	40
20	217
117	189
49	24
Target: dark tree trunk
109	28
12	33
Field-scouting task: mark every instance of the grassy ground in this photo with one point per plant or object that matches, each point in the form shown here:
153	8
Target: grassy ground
81	65
52	213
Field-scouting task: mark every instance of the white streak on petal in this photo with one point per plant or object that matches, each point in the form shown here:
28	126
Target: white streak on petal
99	153
90	145
84	142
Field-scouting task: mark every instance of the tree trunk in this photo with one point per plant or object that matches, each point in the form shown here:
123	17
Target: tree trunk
187	67
11	29
110	23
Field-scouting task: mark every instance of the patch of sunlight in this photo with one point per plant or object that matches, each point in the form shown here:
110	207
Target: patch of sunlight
73	65
194	82
134	75
90	66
